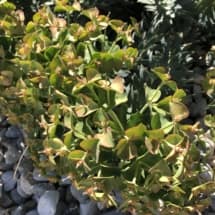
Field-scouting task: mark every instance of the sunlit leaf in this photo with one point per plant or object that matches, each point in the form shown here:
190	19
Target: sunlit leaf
178	111
117	84
210	120
105	139
152	95
152	145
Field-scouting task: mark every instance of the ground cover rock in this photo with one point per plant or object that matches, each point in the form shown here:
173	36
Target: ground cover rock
8	180
26	184
72	209
12	155
48	203
25	166
13	132
37	176
18	211
1	155
32	212
20	191
5	201
1	189
61	208
40	188
77	194
16	197
64	181
113	212
89	208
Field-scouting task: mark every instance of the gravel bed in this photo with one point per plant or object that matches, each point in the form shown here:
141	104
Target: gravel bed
24	191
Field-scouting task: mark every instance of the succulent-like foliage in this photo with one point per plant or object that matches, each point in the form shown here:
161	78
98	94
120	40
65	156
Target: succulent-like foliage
68	82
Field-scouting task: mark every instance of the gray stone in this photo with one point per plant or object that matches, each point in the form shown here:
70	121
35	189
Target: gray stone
29	205
213	201
4	211
26	184
2	134
12	155
113	212
5	167
1	155
41	188
32	212
48	203
65	181
3	121
18	211
20	191
72	209
61	208
16	197
20	144
9	182
5	201
62	192
205	176
1	189
13	132
25	166
69	197
37	176
89	208
77	194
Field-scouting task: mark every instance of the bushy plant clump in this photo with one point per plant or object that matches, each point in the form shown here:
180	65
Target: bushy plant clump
66	82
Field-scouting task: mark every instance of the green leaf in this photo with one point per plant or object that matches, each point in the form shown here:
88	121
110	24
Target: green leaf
171	84
155	121
162	73
152	95
137	132
56	143
155	134
179	94
78	132
89	145
178	111
161	167
68	120
164	103
91	13
68	139
174	139
52	130
135	118
126	150
50	52
77	155
210	120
